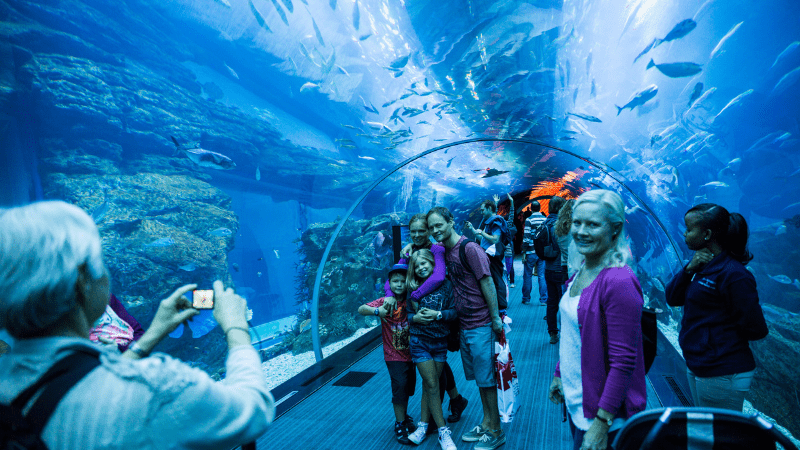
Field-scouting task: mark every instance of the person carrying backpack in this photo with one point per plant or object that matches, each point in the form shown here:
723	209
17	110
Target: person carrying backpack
494	238
553	275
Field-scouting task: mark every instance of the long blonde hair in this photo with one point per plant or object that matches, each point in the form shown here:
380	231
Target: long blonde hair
620	252
564	221
412	280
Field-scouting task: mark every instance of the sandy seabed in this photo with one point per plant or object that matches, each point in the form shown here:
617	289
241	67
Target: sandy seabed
285	366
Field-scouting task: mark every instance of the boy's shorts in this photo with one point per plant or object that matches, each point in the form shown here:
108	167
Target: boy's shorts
424	349
404	380
477	355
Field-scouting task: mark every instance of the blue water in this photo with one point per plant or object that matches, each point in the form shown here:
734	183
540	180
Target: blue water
316	109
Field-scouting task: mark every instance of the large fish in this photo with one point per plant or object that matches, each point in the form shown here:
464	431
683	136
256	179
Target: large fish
677	70
678	31
205	158
356	15
333	4
640	98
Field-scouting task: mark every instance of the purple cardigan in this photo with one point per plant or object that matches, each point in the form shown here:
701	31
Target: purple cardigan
612	360
434	280
123	314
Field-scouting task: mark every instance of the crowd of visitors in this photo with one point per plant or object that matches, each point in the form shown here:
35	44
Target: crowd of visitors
442	293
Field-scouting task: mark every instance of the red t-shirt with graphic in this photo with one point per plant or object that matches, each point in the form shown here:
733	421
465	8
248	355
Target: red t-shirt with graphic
395	332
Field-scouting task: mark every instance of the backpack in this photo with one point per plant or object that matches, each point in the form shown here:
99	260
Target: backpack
506	236
544	242
18	431
495	267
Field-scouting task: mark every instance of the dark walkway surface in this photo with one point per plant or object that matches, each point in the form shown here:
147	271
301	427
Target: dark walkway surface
361	418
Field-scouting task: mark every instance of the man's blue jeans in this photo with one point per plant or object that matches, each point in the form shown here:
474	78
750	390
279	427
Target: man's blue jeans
531	260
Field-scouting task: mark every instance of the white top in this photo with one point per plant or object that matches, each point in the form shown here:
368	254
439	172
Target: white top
569	353
154	403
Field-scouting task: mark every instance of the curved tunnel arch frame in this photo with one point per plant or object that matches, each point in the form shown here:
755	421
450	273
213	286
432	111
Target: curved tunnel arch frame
318	280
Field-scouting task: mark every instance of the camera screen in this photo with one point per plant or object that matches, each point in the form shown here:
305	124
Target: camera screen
203	299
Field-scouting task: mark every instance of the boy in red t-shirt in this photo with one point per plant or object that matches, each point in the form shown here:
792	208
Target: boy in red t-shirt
396	352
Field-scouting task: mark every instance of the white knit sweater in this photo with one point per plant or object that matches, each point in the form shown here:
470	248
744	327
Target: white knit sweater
154	403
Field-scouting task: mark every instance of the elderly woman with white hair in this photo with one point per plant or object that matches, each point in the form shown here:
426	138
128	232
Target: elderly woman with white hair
55	286
600	374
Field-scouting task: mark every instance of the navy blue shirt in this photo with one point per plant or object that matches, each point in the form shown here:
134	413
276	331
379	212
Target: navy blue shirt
721	314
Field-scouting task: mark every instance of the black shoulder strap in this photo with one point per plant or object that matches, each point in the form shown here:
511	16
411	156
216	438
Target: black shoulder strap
64	374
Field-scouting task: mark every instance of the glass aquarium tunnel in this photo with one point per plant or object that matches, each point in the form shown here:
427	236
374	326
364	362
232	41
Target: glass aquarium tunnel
274	144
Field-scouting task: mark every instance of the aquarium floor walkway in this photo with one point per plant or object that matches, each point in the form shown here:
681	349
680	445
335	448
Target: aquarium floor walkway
349	418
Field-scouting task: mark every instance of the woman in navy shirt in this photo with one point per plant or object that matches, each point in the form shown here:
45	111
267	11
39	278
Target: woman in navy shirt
721	311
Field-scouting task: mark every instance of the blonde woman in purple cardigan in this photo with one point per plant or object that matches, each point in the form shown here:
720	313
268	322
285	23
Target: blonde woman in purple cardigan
602	385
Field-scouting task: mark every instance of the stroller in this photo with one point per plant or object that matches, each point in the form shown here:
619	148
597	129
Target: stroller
698	429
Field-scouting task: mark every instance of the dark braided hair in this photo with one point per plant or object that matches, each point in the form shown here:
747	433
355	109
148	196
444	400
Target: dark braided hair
729	230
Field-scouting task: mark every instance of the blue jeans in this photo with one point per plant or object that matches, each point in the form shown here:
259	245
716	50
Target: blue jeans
509	260
530	260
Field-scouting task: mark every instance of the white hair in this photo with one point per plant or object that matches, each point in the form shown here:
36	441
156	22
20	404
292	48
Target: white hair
42	247
620	252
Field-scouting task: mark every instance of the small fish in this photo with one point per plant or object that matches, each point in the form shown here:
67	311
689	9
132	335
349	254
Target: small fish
316	31
696	93
333	4
370	158
783	279
364	37
258	16
450	161
567	138
231	71
788	80
714	184
221	232
786	52
735	102
308	86
356	15
280	12
724	39
258	274
100	212
235	267
647	49
289	5
400	62
258	174
781	230
188	266
593	92
160	243
585	117
277	253
640	98
676	70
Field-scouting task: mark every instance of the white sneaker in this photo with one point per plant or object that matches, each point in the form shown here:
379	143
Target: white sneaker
445	440
419	435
